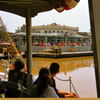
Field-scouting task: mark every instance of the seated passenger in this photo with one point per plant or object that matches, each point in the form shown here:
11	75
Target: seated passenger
42	72
17	75
43	88
54	69
12	65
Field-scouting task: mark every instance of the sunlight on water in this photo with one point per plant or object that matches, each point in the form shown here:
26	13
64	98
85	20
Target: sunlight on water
66	64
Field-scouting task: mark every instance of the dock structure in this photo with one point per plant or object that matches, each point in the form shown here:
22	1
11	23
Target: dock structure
61	55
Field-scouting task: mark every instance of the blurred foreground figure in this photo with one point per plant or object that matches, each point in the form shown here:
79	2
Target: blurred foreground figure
17	75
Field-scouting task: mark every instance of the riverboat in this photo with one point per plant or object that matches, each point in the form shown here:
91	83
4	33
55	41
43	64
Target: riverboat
52	43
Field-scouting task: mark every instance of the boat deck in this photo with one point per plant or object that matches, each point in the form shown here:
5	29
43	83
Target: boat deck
55	55
62	55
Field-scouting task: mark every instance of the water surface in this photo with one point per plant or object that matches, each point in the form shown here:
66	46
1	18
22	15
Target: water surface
81	70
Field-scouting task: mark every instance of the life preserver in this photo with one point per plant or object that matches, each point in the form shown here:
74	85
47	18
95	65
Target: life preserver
61	5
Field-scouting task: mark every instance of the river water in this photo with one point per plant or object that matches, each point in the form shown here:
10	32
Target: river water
80	69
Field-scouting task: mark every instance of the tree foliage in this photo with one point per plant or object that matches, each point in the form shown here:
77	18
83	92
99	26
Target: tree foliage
2	33
21	29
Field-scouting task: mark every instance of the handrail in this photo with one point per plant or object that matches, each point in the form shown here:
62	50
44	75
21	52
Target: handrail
74	89
71	84
61	79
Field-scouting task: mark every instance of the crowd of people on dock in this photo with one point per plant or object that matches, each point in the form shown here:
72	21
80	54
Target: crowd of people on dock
58	42
43	87
61	43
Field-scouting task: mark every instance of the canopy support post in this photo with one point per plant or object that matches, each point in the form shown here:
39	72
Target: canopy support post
29	49
94	6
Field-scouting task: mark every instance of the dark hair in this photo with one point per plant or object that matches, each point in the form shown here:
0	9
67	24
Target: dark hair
19	64
54	68
44	81
44	71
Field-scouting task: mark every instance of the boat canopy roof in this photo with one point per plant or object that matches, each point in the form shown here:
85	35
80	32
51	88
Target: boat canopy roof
49	35
39	34
19	6
78	36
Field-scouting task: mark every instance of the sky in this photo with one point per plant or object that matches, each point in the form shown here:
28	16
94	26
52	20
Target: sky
76	17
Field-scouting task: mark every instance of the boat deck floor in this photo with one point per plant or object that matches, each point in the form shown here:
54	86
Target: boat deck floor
61	55
55	55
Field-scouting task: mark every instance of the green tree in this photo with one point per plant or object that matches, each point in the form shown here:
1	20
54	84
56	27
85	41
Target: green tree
21	29
2	34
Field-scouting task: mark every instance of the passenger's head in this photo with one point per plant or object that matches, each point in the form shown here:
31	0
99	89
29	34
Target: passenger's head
44	82
44	71
19	64
54	68
46	79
